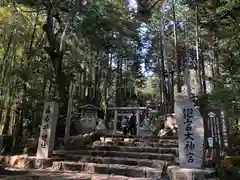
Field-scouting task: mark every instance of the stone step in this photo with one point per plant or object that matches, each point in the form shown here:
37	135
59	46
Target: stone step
139	155
161	143
138	138
113	169
161	150
60	175
118	160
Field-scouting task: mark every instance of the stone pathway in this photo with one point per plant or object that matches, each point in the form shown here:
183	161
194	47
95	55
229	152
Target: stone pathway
17	174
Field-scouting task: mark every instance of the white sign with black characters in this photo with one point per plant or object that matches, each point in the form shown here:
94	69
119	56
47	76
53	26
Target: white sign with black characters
190	132
48	128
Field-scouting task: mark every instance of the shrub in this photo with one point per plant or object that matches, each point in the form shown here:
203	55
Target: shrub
231	167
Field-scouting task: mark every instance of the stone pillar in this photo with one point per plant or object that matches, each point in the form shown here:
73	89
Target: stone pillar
138	122
115	121
190	132
176	173
48	128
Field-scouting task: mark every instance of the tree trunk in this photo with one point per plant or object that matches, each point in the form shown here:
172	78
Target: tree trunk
106	86
186	64
163	71
177	61
61	82
215	4
161	68
17	131
69	113
119	97
172	93
203	72
98	77
8	104
56	56
6	124
169	92
4	68
198	73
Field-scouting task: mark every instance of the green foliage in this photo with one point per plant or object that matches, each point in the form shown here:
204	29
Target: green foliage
233	160
226	93
90	34
104	45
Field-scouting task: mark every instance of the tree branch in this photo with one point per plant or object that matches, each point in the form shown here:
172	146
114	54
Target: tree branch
155	3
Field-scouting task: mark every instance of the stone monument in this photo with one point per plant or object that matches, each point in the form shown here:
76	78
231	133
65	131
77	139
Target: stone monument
190	132
48	128
88	124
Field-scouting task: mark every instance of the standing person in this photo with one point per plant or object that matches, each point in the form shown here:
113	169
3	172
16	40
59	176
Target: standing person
132	124
125	125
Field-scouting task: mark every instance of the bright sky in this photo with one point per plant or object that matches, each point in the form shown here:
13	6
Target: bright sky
133	4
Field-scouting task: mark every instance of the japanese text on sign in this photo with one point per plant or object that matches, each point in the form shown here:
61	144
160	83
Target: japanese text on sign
189	139
45	127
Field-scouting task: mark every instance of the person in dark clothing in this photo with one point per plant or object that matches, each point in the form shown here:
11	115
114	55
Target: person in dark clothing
132	124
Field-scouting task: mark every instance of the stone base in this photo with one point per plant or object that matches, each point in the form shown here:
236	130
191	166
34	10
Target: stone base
177	173
42	163
26	162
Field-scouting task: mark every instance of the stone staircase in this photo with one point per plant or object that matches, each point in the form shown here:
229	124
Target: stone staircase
109	158
121	158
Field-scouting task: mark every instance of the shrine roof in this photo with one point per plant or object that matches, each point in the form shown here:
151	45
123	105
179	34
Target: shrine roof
90	105
128	108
